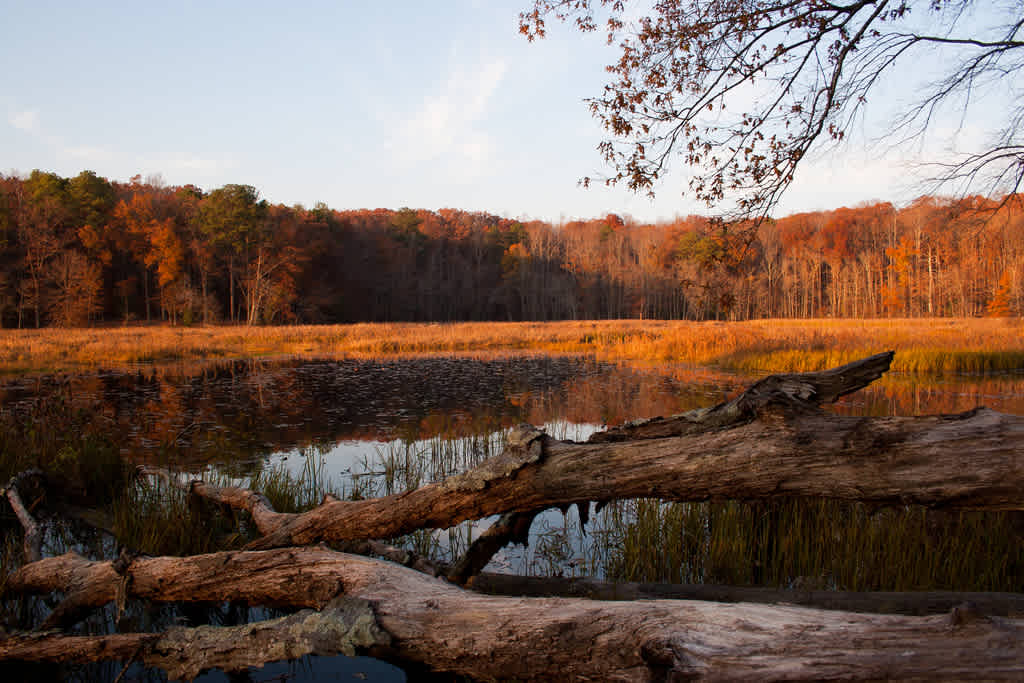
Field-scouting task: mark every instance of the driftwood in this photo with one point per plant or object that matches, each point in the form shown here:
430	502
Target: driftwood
343	627
918	603
396	612
773	440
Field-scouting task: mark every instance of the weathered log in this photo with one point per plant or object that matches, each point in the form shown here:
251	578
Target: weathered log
343	628
769	442
918	603
445	628
806	390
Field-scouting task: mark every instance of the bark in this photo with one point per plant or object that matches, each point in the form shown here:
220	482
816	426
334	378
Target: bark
184	653
918	603
771	441
422	619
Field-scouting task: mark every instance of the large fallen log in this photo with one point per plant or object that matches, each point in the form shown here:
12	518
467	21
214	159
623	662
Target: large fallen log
406	615
771	441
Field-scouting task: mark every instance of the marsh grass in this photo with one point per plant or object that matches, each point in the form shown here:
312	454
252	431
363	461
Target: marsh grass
289	492
70	444
822	544
156	519
924	345
406	464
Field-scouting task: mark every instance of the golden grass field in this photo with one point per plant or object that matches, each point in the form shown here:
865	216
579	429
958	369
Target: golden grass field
934	345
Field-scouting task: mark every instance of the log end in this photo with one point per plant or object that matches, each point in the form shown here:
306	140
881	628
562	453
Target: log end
524	445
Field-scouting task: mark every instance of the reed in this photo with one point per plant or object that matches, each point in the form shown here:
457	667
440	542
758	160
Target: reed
69	443
156	519
811	544
289	492
924	345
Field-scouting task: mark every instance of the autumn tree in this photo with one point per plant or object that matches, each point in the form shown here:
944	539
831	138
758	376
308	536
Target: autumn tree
268	281
42	234
740	92
230	217
11	197
154	242
77	284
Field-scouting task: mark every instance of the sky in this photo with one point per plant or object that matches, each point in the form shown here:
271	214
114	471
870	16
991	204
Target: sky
354	104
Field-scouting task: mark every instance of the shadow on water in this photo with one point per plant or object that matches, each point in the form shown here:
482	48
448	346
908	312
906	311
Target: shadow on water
359	429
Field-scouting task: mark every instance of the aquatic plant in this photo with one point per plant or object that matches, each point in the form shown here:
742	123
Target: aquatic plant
811	543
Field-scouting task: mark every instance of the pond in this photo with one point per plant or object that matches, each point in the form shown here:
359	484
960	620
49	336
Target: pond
363	428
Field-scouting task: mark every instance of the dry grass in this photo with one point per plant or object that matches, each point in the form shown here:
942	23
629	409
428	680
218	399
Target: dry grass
923	345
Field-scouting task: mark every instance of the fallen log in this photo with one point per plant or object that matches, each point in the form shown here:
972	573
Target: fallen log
183	653
771	441
413	617
918	603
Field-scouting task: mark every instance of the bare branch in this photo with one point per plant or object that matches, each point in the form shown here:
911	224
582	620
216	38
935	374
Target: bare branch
33	532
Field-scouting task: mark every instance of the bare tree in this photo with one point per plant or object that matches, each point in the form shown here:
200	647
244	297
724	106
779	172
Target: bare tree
742	90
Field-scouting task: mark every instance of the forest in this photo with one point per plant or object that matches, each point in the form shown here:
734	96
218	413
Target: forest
85	251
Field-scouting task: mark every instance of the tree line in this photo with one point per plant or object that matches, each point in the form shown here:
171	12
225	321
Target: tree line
86	250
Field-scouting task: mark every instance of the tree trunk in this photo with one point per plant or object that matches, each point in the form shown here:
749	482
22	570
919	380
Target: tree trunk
771	441
396	612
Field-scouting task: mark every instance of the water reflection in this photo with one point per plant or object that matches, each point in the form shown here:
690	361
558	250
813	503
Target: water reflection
247	410
905	395
243	411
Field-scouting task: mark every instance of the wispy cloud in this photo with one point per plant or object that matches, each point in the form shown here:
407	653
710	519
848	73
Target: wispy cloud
29	121
26	120
448	123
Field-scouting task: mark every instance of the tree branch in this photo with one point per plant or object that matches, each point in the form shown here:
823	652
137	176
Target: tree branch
33	533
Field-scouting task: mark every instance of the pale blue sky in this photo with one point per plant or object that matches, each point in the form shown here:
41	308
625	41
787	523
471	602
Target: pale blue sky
356	104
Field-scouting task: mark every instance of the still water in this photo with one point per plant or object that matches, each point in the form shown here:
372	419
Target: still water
244	414
374	427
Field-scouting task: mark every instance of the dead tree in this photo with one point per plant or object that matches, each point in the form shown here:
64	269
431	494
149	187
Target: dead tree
773	440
